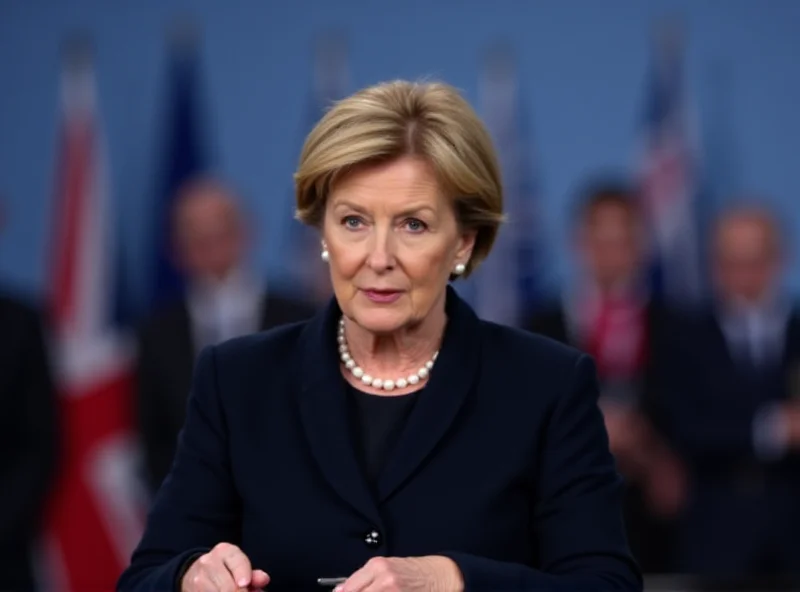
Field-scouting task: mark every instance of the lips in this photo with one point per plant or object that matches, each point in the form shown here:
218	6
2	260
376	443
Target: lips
382	296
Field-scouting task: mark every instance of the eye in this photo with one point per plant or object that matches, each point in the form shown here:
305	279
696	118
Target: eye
416	225
351	222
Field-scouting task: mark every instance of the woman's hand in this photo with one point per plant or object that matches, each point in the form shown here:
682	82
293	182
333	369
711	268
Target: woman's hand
224	569
395	574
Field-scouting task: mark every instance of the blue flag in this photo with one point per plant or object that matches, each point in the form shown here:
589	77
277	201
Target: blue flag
185	155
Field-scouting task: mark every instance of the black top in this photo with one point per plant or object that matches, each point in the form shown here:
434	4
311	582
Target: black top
377	422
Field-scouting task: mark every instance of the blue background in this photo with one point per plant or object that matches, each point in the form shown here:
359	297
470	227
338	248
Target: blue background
583	66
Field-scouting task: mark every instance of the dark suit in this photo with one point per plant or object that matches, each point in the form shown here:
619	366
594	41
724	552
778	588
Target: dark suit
744	514
28	439
167	354
651	538
503	466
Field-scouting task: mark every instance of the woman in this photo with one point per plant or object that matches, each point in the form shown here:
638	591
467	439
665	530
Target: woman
394	441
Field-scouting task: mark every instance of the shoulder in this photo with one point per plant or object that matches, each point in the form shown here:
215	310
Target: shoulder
526	342
270	350
289	303
164	317
17	310
689	321
279	309
664	312
531	357
537	382
689	333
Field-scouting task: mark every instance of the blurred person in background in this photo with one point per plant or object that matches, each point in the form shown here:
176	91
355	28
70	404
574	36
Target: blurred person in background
28	438
611	316
223	300
735	396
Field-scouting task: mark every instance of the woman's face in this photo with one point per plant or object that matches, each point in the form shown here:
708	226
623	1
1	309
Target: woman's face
393	241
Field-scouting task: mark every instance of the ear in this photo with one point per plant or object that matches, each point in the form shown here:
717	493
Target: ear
466	244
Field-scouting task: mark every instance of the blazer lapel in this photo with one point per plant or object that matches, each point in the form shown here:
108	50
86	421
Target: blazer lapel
721	343
450	382
323	412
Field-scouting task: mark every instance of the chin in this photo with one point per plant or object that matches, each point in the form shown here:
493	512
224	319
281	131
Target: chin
381	322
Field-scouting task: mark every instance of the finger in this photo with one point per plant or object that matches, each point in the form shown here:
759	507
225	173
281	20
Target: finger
381	584
358	581
378	585
220	576
259	579
239	567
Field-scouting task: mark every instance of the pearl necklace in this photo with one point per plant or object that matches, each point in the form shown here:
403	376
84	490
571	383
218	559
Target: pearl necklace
387	385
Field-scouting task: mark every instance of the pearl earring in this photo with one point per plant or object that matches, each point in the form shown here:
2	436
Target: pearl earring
460	268
325	255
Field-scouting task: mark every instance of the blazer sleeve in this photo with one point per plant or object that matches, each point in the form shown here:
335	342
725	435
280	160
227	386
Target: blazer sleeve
577	522
197	505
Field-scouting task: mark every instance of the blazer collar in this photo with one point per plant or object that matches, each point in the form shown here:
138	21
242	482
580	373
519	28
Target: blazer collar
323	405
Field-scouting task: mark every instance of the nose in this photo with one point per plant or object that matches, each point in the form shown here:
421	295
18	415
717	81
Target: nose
381	257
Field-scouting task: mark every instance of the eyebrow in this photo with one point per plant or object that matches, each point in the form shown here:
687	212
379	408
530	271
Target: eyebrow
413	209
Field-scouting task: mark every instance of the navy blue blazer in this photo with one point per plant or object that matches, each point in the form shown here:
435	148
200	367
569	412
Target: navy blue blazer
503	466
742	511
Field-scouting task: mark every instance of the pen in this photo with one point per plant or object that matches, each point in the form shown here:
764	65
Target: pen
331	581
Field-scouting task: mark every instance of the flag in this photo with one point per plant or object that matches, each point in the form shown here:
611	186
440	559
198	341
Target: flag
511	282
96	515
185	156
669	175
329	84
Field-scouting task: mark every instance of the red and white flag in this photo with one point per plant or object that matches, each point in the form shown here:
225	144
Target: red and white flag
97	512
669	173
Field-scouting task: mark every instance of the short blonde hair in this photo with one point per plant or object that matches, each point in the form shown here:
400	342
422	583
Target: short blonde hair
395	119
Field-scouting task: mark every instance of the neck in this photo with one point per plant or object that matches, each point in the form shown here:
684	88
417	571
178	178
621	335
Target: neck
211	282
762	301
615	286
398	354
